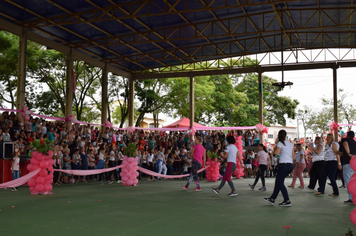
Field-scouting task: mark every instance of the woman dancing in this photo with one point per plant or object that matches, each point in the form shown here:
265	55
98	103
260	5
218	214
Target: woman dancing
285	167
230	153
198	153
263	160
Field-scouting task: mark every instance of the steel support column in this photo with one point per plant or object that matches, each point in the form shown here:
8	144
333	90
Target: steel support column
191	102
69	87
260	101
21	73
131	102
335	67
104	96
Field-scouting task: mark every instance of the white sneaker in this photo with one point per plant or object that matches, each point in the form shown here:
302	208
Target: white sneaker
119	181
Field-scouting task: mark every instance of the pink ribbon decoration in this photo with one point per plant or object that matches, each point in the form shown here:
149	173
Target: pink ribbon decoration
108	124
148	172
334	126
224	128
347	124
131	129
10	110
88	172
20	181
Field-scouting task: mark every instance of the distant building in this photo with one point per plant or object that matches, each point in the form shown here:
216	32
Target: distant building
148	123
274	129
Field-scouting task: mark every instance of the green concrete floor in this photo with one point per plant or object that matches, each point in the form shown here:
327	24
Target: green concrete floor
163	208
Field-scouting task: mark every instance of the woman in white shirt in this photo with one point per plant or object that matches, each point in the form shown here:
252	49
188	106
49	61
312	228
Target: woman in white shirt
101	163
332	161
299	167
230	154
285	149
149	159
112	163
318	163
263	160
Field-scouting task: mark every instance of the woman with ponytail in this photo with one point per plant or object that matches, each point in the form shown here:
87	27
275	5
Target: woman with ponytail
285	166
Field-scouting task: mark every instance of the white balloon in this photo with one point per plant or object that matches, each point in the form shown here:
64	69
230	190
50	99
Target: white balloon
28	112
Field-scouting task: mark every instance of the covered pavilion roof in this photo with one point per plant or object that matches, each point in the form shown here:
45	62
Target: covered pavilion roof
136	36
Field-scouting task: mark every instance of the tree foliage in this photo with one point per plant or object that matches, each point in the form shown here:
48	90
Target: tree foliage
228	100
322	117
275	107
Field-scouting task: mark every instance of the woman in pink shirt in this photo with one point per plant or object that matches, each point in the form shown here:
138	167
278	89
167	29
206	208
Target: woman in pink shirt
198	153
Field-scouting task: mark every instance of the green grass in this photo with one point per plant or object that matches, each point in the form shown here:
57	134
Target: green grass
163	208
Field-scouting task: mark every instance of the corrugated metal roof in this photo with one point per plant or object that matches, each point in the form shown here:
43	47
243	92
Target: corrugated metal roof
139	35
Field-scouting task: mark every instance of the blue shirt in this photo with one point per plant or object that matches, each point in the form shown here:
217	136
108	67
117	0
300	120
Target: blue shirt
50	136
84	159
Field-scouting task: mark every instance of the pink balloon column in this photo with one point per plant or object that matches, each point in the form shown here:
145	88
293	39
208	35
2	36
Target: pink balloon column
41	183
212	170
239	171
351	187
129	171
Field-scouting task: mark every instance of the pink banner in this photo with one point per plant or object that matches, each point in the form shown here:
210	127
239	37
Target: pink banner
139	128
347	124
225	128
89	172
148	172
20	181
49	117
10	110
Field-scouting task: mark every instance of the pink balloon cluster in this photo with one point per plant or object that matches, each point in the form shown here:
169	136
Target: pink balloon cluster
192	131
130	129
129	171
351	187
239	171
41	183
212	170
26	113
108	124
334	126
261	128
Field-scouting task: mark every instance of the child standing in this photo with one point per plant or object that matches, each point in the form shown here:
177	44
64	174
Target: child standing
15	167
230	154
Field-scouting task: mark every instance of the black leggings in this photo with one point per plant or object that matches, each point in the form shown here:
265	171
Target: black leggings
112	164
315	173
119	162
260	173
91	168
55	175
